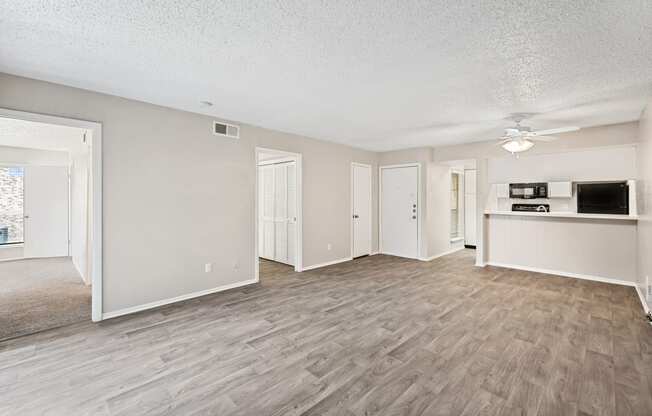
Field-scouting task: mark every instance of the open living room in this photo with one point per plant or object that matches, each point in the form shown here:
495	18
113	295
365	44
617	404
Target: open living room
326	208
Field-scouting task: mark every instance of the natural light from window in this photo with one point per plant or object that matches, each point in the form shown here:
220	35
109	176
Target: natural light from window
11	204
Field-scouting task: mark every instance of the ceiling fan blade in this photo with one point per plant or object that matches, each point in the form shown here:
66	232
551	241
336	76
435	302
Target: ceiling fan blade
544	138
555	131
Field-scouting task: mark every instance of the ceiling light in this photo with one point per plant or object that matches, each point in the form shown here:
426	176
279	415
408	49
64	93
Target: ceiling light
517	146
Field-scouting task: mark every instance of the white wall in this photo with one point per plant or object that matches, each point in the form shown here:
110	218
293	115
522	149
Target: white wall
644	175
23	156
438	219
588	247
600	164
176	197
79	202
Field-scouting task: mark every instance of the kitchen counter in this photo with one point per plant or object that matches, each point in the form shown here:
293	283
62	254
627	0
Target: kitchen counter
595	246
562	214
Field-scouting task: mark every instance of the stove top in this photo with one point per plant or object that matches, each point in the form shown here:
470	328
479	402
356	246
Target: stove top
531	207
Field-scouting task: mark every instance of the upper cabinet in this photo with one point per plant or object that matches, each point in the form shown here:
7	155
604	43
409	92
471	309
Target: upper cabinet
560	189
502	190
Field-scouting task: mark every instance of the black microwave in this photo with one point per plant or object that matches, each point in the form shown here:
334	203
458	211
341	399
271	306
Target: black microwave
528	190
603	198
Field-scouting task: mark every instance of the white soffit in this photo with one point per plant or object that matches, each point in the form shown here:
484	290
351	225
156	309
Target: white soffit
33	135
377	75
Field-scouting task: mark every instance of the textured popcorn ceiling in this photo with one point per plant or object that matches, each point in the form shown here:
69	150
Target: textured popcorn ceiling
374	74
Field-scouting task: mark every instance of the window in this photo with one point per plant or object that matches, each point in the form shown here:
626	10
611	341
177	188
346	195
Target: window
11	204
456	223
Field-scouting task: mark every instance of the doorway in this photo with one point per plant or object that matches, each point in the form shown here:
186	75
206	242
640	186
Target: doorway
50	257
400	210
361	214
278	213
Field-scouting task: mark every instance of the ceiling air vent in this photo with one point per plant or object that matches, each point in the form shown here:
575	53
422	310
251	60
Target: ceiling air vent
227	130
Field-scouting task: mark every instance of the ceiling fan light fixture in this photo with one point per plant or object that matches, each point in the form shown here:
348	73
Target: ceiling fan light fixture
517	146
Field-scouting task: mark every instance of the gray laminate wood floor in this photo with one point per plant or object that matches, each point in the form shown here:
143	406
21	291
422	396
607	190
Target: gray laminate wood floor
377	336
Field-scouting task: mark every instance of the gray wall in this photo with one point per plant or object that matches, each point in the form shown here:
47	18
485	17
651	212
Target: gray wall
644	167
176	196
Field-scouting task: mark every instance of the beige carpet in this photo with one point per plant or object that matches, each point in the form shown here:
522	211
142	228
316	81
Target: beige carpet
40	294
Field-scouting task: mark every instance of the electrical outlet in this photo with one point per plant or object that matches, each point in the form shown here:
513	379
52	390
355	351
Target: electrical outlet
329	246
236	266
208	267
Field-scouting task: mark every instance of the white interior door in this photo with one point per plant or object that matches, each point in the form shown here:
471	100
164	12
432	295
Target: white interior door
281	213
292	213
46	211
361	210
470	203
277	212
399	211
266	238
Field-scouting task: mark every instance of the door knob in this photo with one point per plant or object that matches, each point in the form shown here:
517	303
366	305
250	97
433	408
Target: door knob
356	216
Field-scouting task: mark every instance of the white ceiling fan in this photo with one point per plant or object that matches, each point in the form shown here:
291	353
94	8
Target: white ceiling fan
519	138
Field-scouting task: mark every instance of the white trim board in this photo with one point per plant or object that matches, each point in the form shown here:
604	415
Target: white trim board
563	274
328	263
642	299
445	253
152	305
95	182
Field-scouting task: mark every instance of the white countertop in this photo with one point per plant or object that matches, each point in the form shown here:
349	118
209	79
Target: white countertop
563	214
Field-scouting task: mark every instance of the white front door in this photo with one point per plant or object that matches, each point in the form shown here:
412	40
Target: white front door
361	210
46	211
399	211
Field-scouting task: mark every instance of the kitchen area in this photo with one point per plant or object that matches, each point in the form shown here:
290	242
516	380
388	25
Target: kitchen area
571	214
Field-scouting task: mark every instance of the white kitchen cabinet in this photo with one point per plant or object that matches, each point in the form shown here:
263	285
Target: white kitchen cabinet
560	189
502	190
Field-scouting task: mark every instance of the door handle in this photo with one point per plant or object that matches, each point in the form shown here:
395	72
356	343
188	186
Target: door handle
356	216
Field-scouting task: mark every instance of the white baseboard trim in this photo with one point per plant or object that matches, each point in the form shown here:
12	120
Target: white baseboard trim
373	253
151	305
445	253
642	299
563	274
328	263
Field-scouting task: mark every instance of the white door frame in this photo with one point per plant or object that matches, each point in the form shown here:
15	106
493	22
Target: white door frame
371	201
96	194
380	204
288	156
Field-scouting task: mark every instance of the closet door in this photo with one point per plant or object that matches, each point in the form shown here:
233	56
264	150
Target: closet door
281	213
292	213
266	223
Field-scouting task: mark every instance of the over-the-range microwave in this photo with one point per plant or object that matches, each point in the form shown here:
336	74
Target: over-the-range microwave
528	190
